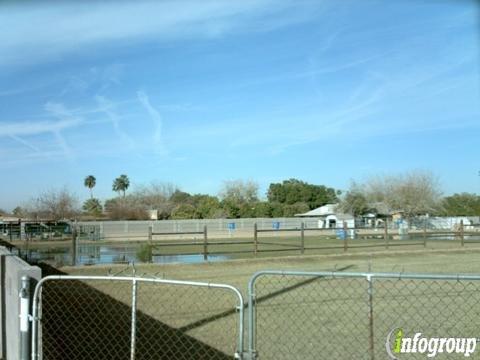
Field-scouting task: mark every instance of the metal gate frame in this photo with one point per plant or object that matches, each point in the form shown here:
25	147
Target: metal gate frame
134	280
369	277
250	331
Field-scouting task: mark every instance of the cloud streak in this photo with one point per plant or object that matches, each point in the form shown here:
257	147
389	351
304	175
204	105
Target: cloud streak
64	115
108	108
29	128
69	27
157	122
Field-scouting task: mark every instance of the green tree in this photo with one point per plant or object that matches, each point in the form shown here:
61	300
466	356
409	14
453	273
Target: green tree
238	198
293	209
294	191
93	206
181	197
121	184
207	207
231	208
247	210
276	209
464	204
183	211
263	209
20	212
90	183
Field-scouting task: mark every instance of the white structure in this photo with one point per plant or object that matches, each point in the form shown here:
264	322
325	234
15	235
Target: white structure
448	223
329	218
153	214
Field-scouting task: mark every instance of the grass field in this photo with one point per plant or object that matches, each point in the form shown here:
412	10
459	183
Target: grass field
314	318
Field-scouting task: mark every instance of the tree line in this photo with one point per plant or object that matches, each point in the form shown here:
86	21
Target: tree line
413	193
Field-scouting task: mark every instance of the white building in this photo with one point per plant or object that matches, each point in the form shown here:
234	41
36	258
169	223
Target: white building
329	218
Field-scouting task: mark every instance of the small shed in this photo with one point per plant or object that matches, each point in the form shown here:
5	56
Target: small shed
336	221
329	218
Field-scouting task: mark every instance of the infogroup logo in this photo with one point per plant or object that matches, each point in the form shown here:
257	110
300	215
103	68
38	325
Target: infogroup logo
397	344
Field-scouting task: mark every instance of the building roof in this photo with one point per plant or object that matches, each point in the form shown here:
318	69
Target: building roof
8	219
321	211
341	217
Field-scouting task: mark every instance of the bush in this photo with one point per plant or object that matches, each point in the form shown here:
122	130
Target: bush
144	253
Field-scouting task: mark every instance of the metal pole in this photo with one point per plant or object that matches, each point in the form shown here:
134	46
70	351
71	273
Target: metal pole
302	244
24	318
251	318
345	238
205	243
134	319
370	317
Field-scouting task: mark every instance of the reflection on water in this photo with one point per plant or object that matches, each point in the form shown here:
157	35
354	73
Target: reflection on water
94	254
189	259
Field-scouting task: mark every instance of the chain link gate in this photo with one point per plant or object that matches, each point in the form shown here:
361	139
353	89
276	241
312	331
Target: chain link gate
291	315
105	317
338	315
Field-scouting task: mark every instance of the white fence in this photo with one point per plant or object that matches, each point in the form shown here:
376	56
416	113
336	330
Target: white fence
216	227
223	228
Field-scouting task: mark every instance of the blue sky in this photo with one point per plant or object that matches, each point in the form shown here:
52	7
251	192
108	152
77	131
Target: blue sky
199	92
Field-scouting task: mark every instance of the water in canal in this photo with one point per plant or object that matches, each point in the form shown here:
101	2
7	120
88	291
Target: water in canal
110	254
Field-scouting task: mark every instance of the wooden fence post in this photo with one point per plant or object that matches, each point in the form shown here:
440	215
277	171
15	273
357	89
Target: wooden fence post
74	245
462	234
150	233
205	243
425	234
302	239
255	239
385	233
345	238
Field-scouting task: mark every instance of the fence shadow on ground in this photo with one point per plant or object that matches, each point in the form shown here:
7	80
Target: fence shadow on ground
68	331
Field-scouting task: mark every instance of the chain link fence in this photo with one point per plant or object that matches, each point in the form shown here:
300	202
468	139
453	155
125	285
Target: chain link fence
291	315
328	315
86	317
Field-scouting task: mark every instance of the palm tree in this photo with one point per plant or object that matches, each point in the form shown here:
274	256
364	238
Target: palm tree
90	183
121	184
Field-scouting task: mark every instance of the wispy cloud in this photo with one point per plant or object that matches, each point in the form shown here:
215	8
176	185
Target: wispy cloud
157	122
65	28
27	128
64	115
21	131
25	143
108	107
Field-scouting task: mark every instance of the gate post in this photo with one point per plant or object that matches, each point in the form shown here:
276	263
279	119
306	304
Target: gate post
134	319
24	318
370	316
